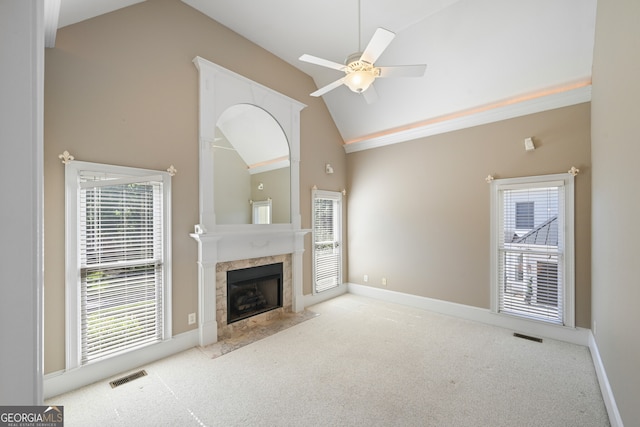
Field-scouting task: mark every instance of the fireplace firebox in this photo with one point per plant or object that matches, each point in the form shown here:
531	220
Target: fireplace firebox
253	290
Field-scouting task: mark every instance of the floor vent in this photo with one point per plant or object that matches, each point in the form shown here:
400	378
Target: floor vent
128	378
527	337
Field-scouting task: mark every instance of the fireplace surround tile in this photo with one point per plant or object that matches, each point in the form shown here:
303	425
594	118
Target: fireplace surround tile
226	330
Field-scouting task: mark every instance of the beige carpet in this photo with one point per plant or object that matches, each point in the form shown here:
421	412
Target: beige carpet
360	362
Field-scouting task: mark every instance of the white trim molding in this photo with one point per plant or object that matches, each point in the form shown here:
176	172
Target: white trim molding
605	388
22	188
475	117
51	16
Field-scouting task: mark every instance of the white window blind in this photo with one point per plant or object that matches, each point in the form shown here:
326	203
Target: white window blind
121	244
533	274
121	266
327	251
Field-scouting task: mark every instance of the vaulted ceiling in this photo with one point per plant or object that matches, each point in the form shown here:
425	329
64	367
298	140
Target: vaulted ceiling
484	57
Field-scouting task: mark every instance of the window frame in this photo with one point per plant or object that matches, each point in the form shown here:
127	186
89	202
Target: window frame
335	196
566	183
73	333
257	207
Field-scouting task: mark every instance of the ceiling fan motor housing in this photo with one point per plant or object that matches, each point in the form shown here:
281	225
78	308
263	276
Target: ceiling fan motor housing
359	74
359	68
354	63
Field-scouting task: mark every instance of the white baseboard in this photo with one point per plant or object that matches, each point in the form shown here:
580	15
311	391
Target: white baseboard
605	387
310	300
64	381
578	336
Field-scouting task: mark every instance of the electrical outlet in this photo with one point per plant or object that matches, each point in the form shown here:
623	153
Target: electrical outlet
384	281
366	278
192	318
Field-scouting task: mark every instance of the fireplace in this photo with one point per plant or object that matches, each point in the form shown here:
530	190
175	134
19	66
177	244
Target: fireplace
221	246
254	290
277	304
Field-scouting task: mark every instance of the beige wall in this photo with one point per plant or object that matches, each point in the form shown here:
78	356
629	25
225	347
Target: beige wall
419	211
122	89
231	194
318	139
275	186
616	203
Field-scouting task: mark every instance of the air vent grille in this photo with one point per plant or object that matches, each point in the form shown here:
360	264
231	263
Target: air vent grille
128	378
527	337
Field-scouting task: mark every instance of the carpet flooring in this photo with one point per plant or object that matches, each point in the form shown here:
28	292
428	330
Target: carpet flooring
358	362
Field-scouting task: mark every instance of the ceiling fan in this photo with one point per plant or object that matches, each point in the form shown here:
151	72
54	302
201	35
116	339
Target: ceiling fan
359	68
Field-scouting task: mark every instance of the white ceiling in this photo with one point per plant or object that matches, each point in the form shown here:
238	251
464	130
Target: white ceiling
478	52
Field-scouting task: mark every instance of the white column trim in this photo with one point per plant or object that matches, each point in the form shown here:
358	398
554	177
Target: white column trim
22	260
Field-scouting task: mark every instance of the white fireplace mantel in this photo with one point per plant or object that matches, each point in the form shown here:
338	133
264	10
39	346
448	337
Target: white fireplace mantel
219	89
232	245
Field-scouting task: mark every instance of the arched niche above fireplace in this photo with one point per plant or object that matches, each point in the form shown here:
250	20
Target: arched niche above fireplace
222	91
251	173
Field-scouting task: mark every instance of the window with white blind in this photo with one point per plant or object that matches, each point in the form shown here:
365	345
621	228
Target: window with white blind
261	211
118	260
327	240
532	272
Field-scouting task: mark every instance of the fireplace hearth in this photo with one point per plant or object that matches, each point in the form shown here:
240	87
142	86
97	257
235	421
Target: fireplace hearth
252	291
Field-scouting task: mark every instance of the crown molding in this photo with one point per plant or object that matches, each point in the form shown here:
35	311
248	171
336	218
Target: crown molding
476	117
51	16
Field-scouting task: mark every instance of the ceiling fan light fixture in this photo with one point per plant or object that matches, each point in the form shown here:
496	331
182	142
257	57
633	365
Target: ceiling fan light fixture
359	68
359	81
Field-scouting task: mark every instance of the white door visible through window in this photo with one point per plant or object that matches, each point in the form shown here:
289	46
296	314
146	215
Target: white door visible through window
261	211
327	240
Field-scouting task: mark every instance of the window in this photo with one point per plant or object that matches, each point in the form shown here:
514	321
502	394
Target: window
524	215
118	260
532	248
327	240
261	212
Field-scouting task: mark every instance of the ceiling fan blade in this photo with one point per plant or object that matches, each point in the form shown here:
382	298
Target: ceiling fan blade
370	95
328	87
322	62
379	42
403	71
